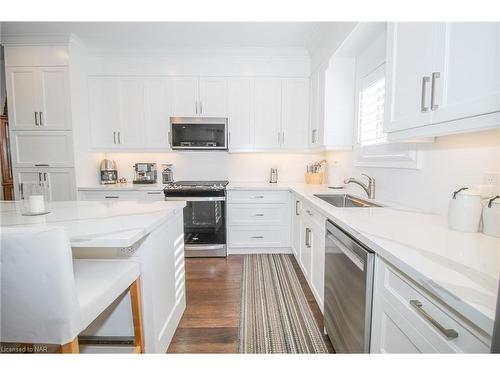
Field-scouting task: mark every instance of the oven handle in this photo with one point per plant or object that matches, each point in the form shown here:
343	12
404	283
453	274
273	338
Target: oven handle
196	199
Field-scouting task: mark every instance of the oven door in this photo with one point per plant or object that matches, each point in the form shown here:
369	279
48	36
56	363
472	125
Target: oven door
204	226
193	133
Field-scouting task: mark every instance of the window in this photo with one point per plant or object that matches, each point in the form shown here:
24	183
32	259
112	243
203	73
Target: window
371	109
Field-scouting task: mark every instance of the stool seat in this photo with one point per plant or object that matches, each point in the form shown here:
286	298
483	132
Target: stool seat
99	283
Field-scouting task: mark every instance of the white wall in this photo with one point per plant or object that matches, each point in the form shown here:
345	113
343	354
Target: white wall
448	164
240	167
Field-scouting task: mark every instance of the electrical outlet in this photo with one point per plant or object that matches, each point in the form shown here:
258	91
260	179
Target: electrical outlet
491	179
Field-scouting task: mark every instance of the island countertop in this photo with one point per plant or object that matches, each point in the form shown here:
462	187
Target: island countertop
95	223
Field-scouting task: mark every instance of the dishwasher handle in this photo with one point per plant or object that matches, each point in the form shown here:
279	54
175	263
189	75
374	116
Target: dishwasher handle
358	262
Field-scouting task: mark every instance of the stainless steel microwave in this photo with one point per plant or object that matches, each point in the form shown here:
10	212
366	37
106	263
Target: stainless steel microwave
198	133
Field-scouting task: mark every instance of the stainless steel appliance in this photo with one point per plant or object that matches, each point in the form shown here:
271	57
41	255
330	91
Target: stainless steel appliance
109	172
348	291
145	173
167	173
198	133
273	176
204	216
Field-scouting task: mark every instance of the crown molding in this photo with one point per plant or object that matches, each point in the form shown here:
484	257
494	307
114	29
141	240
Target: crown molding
36	39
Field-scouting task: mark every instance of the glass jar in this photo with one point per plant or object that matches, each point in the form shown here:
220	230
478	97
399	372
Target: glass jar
34	198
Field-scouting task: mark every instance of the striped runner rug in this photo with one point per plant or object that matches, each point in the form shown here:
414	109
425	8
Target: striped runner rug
275	316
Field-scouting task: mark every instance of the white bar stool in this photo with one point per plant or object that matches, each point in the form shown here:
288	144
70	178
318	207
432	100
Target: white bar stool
49	298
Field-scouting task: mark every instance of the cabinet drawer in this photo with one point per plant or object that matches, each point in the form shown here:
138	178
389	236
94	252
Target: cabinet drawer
420	311
42	148
112	195
258	236
257	196
313	215
271	214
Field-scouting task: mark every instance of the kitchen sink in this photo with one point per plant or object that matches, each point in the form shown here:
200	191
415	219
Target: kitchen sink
346	200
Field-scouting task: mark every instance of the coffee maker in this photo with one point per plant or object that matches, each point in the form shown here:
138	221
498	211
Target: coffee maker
145	173
109	172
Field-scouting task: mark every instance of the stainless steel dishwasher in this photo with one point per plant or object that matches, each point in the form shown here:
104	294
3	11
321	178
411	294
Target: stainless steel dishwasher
348	291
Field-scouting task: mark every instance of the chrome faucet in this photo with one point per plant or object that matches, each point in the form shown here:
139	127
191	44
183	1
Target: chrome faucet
369	189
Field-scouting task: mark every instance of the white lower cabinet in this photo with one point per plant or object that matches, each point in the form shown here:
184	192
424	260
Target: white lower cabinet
258	219
124	195
406	319
61	181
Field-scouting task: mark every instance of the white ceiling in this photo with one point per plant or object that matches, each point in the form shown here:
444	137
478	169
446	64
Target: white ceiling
175	34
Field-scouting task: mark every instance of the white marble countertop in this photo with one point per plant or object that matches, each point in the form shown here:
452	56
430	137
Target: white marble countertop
461	269
128	186
95	224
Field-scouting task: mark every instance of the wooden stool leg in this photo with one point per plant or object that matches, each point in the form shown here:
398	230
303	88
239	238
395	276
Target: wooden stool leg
135	299
71	347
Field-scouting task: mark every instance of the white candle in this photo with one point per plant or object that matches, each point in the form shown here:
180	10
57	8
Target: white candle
37	204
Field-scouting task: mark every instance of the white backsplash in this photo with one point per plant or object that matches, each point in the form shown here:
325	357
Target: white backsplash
448	164
241	167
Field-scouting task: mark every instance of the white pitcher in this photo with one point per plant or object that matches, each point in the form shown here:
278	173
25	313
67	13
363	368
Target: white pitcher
464	212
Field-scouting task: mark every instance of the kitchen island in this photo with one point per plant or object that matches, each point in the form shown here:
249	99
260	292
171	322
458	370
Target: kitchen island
150	233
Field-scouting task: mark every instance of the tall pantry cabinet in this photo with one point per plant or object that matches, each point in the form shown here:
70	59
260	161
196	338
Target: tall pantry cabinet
38	95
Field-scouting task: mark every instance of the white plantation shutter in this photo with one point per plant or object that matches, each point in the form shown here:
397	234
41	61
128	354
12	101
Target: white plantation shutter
371	109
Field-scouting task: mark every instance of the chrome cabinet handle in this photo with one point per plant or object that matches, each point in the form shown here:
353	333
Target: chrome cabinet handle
44	176
314	135
258	197
308	238
258	215
279	138
282	138
119	138
111	196
434	106
42	165
201	107
447	332
40	116
114	138
297	203
40	177
154	192
257	237
36	119
425	81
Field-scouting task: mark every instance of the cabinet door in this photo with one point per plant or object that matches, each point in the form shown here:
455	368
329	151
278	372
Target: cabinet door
61	181
158	101
103	114
54	111
131	133
61	184
410	61
213	97
22	92
296	228
295	113
306	246
318	263
267	113
185	100
240	113
469	73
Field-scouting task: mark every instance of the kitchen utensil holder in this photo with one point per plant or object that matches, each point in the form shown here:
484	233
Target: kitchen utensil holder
314	178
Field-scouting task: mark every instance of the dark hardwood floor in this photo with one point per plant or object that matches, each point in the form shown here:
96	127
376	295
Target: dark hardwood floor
210	322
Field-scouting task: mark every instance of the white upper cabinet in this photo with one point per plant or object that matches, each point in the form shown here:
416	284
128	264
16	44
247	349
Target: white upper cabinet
103	112
469	70
317	109
213	97
439	74
295	113
38	98
410	62
54	99
158	102
131	132
240	113
185	98
267	99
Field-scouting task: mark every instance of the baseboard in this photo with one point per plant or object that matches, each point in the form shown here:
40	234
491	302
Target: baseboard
258	250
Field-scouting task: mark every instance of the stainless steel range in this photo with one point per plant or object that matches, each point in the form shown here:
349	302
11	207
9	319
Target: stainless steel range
204	216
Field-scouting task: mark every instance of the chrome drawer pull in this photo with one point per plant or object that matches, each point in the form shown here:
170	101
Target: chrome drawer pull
154	192
258	196
257	237
434	106
259	215
297	208
111	196
423	107
448	332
